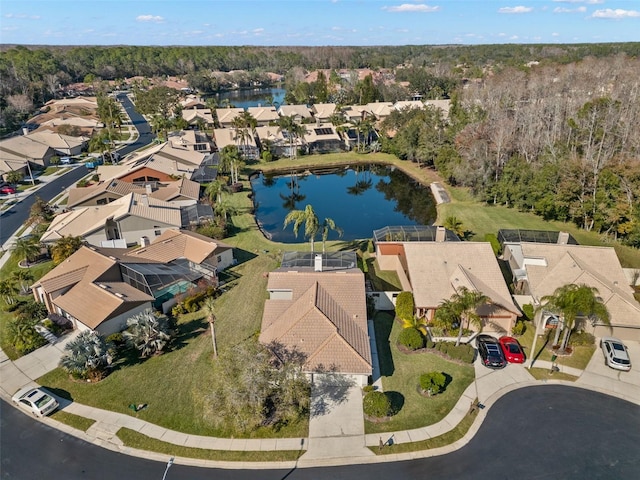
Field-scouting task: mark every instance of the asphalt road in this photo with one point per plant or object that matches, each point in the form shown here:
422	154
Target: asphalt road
145	136
544	432
13	218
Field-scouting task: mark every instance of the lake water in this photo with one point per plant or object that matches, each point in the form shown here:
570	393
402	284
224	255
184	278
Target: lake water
252	98
359	201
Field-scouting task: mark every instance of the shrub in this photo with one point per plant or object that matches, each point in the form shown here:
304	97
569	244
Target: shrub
495	244
519	328
430	343
370	248
581	339
528	311
376	404
405	305
23	335
116	338
463	352
433	382
82	183
368	388
95	177
411	338
267	156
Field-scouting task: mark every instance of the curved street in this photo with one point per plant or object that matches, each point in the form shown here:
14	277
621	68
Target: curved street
547	431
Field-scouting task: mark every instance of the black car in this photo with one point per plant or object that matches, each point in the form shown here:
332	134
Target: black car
490	352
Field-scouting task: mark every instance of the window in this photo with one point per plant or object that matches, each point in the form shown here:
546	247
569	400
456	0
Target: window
219	258
157	232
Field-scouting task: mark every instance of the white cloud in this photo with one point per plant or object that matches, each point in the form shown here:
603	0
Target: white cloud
513	37
22	16
411	7
150	18
589	2
617	13
518	9
569	10
555	34
257	31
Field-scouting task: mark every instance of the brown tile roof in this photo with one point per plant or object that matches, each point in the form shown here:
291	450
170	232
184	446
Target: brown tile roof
437	269
326	319
598	267
173	244
94	303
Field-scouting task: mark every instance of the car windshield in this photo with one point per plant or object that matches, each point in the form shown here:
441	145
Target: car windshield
618	346
621	361
513	348
42	401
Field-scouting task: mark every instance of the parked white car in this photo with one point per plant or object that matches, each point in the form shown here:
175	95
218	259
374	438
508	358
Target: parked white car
616	354
35	401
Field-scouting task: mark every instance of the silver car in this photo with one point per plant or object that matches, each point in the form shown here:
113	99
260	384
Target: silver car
616	354
35	401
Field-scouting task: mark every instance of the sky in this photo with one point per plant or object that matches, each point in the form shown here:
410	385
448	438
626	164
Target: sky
316	22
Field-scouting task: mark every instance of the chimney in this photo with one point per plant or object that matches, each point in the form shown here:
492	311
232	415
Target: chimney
317	264
441	234
563	238
148	189
144	200
144	242
25	131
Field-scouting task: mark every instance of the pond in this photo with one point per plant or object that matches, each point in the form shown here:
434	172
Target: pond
358	200
252	98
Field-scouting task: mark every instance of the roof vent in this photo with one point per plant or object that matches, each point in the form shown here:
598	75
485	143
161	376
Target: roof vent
119	295
317	265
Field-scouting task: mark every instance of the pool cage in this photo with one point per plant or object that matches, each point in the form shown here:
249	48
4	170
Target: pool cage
535	236
412	233
329	260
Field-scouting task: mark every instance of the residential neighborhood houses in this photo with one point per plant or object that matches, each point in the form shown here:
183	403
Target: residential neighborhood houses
136	219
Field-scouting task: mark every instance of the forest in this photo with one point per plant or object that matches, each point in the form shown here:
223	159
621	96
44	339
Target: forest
548	129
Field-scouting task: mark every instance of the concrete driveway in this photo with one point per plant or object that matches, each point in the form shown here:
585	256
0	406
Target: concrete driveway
336	424
625	384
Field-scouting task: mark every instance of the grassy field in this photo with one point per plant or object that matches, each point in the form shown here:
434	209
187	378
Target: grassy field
400	379
133	439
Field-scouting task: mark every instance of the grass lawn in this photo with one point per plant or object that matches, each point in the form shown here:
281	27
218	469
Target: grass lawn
133	439
72	420
400	378
436	442
546	374
174	385
579	359
382	280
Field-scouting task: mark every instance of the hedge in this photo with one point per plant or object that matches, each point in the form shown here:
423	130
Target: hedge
411	338
405	305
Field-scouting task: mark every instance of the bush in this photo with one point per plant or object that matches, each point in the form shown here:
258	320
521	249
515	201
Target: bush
82	183
376	404
430	343
411	338
368	388
495	244
23	335
582	339
267	156
116	338
519	328
95	177
463	352
370	248
528	311
405	305
433	382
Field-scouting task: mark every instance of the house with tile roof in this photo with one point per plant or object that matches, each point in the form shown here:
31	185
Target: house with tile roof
229	136
226	116
196	116
62	144
273	139
24	148
540	268
323	111
435	270
322	138
87	288
266	115
181	192
122	222
300	113
119	283
321	314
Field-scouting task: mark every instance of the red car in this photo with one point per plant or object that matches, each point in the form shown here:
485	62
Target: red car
7	189
512	350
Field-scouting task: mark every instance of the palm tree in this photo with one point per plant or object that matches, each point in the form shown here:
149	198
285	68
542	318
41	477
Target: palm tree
214	190
229	159
147	333
308	217
209	308
23	277
327	225
9	290
419	323
64	248
27	248
225	210
454	224
86	356
573	301
463	307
